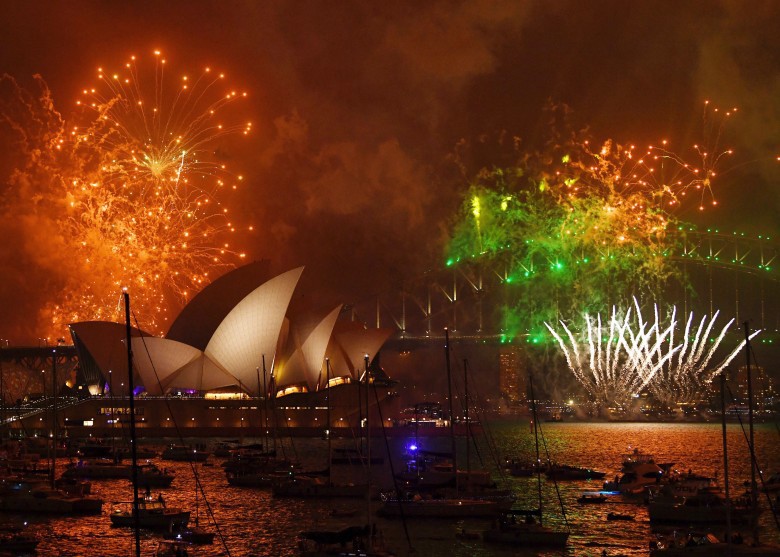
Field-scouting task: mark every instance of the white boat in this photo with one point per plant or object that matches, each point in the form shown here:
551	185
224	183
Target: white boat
636	478
152	513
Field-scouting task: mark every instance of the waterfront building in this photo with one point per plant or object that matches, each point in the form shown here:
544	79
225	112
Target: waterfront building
239	358
511	377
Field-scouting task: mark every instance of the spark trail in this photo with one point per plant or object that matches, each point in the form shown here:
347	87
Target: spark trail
618	360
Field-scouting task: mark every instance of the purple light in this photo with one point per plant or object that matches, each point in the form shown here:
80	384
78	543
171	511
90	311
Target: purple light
412	447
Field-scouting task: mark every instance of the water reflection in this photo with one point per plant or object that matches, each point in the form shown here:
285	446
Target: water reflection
254	523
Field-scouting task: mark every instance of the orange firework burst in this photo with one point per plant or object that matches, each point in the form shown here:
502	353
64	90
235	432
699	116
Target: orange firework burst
656	178
617	195
144	200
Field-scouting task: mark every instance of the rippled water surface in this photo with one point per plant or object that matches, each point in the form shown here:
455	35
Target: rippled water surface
255	523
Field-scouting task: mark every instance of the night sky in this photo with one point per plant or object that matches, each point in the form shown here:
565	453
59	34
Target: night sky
357	107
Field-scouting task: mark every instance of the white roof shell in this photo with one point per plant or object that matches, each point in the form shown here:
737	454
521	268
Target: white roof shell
164	364
251	329
306	364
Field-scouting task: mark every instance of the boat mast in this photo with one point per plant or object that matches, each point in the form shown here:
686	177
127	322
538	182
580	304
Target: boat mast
753	485
725	454
265	408
368	451
327	420
452	414
468	424
53	444
259	390
536	440
133	451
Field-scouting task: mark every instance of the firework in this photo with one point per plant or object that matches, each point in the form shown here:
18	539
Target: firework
140	191
616	361
580	226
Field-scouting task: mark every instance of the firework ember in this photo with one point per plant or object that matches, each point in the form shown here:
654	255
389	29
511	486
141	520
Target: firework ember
136	193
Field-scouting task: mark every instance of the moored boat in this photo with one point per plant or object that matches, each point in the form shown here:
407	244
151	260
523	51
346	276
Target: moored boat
191	534
33	497
417	506
153	513
591	498
568	472
318	487
14	541
183	453
149	475
706	507
526	532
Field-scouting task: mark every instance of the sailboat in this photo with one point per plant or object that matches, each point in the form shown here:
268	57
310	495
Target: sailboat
192	534
147	511
362	539
527	531
708	544
417	504
34	494
321	485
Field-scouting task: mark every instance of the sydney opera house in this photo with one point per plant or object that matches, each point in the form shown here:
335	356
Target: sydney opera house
243	355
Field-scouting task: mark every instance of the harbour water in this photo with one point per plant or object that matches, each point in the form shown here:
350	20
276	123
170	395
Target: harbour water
253	522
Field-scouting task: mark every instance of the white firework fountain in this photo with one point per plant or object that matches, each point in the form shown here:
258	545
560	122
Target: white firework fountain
618	360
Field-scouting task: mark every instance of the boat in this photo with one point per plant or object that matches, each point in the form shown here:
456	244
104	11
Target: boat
462	497
152	514
430	469
191	534
173	548
302	485
591	498
528	532
224	449
729	512
18	495
149	475
567	472
706	507
685	485
522	468
618	516
350	541
706	545
143	511
14	540
353	457
183	453
257	470
637	456
418	506
635	480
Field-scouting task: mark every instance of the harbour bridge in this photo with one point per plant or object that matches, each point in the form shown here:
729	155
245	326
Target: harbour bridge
732	273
